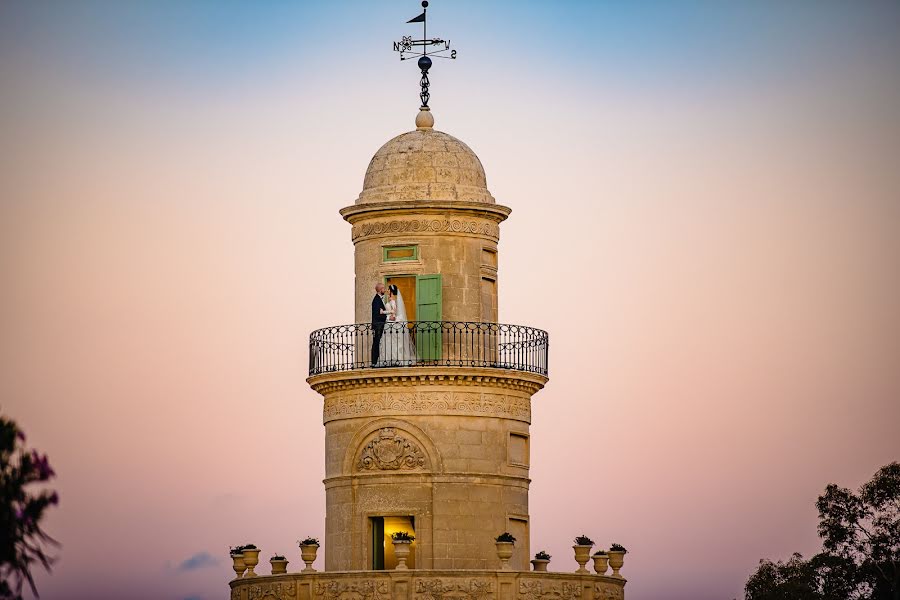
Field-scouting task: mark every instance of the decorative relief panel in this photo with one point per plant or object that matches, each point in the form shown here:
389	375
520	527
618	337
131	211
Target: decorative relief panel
436	589
547	590
389	451
608	592
353	590
364	230
467	403
277	590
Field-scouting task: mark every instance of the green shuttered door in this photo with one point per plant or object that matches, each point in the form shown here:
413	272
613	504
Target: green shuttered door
428	308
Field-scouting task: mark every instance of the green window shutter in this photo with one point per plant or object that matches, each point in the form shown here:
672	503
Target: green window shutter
428	308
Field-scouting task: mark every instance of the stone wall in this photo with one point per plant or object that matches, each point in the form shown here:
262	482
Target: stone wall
457	241
448	447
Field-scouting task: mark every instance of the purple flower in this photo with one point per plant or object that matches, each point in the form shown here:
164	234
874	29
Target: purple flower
21	435
20	514
53	499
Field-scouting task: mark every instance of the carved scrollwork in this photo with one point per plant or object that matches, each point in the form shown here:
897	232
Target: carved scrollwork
364	230
545	590
353	590
605	591
389	451
277	590
436	589
475	404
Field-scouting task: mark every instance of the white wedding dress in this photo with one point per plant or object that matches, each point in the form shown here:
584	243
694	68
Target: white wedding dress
397	347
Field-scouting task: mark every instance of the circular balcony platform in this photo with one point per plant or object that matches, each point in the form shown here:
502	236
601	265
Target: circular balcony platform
367	346
427	584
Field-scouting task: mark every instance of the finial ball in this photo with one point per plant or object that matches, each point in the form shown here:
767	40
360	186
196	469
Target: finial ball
424	63
424	3
424	120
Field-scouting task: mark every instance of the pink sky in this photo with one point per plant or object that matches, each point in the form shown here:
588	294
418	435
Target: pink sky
717	261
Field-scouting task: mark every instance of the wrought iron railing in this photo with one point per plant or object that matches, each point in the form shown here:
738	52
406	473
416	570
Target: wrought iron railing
428	343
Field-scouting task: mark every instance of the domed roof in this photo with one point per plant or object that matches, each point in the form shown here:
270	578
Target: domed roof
425	165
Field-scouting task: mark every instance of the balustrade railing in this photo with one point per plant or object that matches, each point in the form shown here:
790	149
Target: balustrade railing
428	343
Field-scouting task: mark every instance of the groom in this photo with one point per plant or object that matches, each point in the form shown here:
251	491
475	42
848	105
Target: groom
378	321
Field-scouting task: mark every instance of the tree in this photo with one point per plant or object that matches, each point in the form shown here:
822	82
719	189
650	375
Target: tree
22	539
865	528
860	558
823	577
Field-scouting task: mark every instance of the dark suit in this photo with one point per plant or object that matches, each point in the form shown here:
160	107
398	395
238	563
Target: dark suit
378	321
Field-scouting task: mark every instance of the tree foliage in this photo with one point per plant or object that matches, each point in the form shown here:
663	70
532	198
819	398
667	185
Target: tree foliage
860	558
22	506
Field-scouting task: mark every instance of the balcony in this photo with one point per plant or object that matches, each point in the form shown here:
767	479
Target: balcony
428	343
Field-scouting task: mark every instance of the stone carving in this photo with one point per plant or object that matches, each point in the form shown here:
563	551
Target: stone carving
353	590
490	405
436	589
327	383
364	230
546	590
390	451
604	591
277	590
235	593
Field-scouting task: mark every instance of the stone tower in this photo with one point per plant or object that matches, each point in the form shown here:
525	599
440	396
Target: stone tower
436	443
430	434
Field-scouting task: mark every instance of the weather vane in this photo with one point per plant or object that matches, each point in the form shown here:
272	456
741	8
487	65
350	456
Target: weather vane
411	48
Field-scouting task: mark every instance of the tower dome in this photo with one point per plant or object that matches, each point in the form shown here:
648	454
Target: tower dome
425	164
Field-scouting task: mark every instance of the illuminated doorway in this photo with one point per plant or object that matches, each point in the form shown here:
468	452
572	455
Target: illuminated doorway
383	548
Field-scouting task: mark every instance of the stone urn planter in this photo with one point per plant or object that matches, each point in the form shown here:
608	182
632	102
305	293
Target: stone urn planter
308	555
539	564
582	548
279	565
616	560
239	566
251	559
402	549
505	543
504	553
601	563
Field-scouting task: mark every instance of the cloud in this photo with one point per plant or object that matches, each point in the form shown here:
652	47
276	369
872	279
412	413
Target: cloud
200	560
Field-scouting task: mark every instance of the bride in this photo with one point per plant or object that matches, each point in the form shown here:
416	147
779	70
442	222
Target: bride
396	342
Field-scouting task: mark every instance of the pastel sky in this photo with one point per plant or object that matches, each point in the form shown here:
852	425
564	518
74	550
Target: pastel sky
706	218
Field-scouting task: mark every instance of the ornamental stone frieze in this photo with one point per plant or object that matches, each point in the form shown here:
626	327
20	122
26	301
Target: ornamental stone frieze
276	590
548	590
390	451
426	403
605	592
428	584
442	589
371	229
364	589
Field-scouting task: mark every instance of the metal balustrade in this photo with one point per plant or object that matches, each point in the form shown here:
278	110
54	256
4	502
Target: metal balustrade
428	343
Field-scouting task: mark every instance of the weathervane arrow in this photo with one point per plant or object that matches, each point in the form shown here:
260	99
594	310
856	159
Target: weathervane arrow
412	48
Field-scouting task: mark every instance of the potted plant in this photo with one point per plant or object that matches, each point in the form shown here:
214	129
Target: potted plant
237	555
251	558
616	558
601	562
540	561
279	564
402	541
505	543
308	549
582	547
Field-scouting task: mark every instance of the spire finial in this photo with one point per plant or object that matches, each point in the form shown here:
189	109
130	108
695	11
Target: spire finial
406	46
